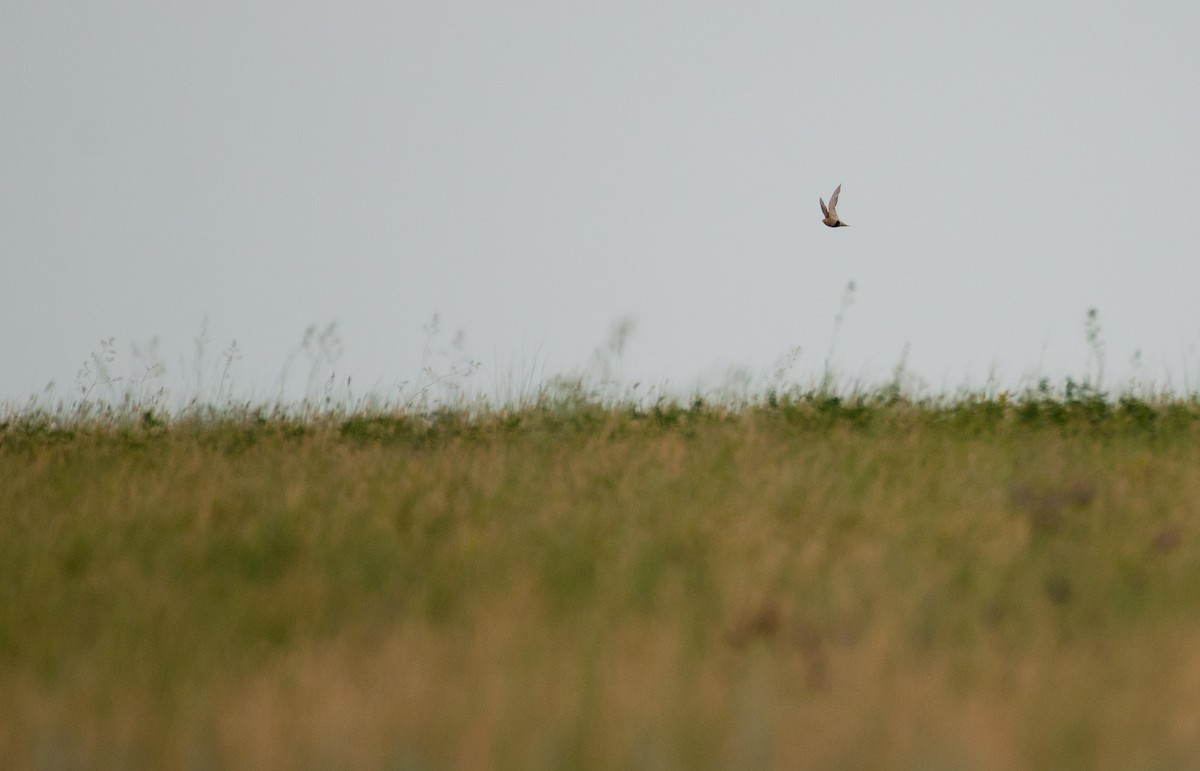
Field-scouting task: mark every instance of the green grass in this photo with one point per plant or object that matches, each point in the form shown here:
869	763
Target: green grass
806	581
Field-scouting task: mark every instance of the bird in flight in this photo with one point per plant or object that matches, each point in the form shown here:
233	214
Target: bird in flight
831	215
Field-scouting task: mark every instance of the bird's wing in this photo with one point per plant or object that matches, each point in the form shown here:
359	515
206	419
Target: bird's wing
833	198
823	209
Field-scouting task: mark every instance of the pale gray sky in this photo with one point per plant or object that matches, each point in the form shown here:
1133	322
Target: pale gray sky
535	171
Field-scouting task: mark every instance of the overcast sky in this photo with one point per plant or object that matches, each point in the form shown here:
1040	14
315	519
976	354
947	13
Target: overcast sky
536	172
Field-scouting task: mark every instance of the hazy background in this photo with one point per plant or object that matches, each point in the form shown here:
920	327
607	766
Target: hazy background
536	172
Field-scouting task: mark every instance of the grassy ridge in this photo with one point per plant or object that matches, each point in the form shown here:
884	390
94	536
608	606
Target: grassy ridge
803	582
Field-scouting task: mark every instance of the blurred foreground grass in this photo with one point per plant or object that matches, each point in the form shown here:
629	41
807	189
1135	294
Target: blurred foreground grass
808	583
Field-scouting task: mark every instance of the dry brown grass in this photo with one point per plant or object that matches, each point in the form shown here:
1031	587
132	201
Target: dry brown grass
594	588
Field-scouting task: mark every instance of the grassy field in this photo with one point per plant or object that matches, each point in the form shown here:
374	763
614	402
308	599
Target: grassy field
800	582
